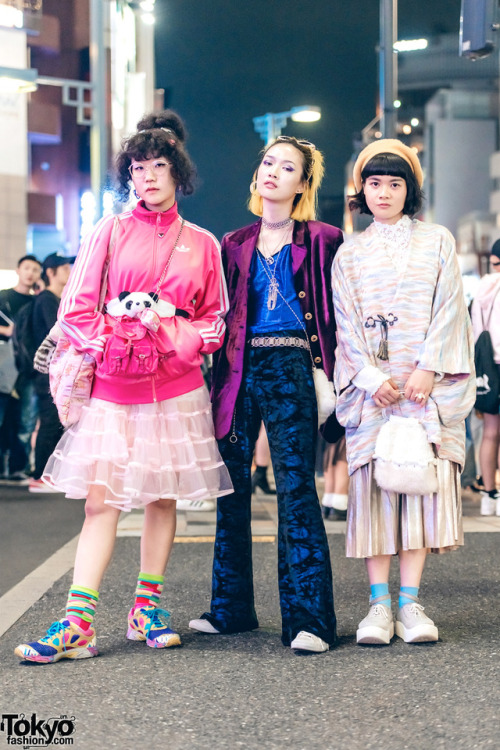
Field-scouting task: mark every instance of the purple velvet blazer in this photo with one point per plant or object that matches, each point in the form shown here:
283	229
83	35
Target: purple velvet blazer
314	245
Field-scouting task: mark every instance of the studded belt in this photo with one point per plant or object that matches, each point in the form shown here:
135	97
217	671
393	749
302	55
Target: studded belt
267	341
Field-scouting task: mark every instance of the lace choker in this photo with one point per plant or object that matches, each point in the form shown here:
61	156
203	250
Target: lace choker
276	224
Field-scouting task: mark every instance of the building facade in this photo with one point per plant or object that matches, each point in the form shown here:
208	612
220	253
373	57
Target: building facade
54	140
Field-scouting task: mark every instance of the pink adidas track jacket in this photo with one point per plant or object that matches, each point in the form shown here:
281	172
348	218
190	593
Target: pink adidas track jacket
194	282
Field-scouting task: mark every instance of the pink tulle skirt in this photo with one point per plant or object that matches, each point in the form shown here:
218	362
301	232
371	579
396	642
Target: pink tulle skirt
142	452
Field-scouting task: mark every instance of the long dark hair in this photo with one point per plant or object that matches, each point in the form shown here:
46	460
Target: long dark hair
158	134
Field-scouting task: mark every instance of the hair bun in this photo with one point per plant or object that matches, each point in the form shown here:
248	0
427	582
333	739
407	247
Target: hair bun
166	119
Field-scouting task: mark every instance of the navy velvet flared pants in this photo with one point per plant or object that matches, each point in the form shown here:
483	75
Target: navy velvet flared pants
278	388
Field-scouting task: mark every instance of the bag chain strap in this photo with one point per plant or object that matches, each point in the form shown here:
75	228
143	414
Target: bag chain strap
162	277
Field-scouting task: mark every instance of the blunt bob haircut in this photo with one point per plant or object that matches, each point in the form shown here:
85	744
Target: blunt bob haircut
160	134
395	166
304	204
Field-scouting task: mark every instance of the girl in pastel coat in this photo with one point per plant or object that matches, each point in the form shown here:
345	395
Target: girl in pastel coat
398	284
146	438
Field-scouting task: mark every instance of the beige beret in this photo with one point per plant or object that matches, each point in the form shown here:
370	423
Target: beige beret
386	146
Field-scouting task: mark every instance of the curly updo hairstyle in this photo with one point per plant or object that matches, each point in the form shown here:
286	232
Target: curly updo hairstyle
158	134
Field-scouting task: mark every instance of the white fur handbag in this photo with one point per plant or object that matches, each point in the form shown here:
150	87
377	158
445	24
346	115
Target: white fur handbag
325	395
404	460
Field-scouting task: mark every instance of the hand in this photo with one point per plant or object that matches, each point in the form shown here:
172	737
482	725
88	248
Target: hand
419	385
150	320
387	394
44	354
7	331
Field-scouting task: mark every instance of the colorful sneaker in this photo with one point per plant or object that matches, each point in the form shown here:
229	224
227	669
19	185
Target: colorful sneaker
64	640
151	624
413	626
377	626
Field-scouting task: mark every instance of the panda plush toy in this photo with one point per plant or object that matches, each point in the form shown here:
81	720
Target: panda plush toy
131	304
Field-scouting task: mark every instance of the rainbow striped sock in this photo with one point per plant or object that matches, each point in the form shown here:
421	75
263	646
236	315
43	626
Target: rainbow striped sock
81	604
148	591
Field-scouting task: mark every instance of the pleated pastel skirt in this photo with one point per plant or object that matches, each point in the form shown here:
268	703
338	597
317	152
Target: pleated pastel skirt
383	523
142	452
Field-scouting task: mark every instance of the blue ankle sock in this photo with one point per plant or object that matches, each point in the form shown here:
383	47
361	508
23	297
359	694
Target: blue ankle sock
413	590
380	589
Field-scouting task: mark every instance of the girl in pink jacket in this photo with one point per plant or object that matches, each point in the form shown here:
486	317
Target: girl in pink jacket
146	437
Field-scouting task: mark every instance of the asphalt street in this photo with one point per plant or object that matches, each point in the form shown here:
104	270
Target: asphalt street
248	691
33	527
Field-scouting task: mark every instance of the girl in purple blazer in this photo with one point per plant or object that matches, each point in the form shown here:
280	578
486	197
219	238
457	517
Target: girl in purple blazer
280	327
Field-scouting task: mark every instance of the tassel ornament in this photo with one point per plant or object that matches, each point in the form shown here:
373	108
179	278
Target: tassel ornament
384	323
383	350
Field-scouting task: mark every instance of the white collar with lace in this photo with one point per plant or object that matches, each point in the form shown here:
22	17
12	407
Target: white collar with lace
396	238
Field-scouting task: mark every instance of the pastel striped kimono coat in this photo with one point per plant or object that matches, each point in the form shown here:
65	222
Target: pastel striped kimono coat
430	328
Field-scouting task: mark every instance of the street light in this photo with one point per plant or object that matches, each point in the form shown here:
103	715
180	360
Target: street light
18	80
269	126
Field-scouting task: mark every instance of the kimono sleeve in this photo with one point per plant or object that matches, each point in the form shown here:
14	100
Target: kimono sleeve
448	346
352	354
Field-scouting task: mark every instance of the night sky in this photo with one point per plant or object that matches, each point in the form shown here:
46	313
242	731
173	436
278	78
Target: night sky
222	63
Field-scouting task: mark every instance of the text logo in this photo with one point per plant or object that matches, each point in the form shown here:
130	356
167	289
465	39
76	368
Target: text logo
25	732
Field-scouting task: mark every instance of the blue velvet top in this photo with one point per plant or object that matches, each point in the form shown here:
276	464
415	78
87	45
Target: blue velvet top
260	320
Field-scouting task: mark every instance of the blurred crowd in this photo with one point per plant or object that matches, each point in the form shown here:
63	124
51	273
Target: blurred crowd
29	423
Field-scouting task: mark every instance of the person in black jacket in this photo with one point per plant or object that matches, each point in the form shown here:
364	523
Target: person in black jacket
17	415
55	274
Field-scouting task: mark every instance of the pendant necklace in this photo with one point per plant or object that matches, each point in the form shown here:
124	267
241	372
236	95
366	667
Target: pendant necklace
273	288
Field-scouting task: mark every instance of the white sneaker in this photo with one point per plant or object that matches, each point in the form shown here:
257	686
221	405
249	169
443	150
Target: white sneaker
488	504
304	641
203	626
377	626
497	511
195	505
413	626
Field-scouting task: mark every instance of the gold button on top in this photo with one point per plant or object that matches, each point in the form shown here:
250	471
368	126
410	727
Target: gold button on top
314	337
308	316
302	295
317	360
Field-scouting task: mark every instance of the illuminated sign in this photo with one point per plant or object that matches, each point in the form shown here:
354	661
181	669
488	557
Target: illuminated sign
21	14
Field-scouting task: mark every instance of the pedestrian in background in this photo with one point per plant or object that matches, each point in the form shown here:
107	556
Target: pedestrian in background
404	346
336	476
146	437
485	311
281	317
262	459
17	404
55	274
